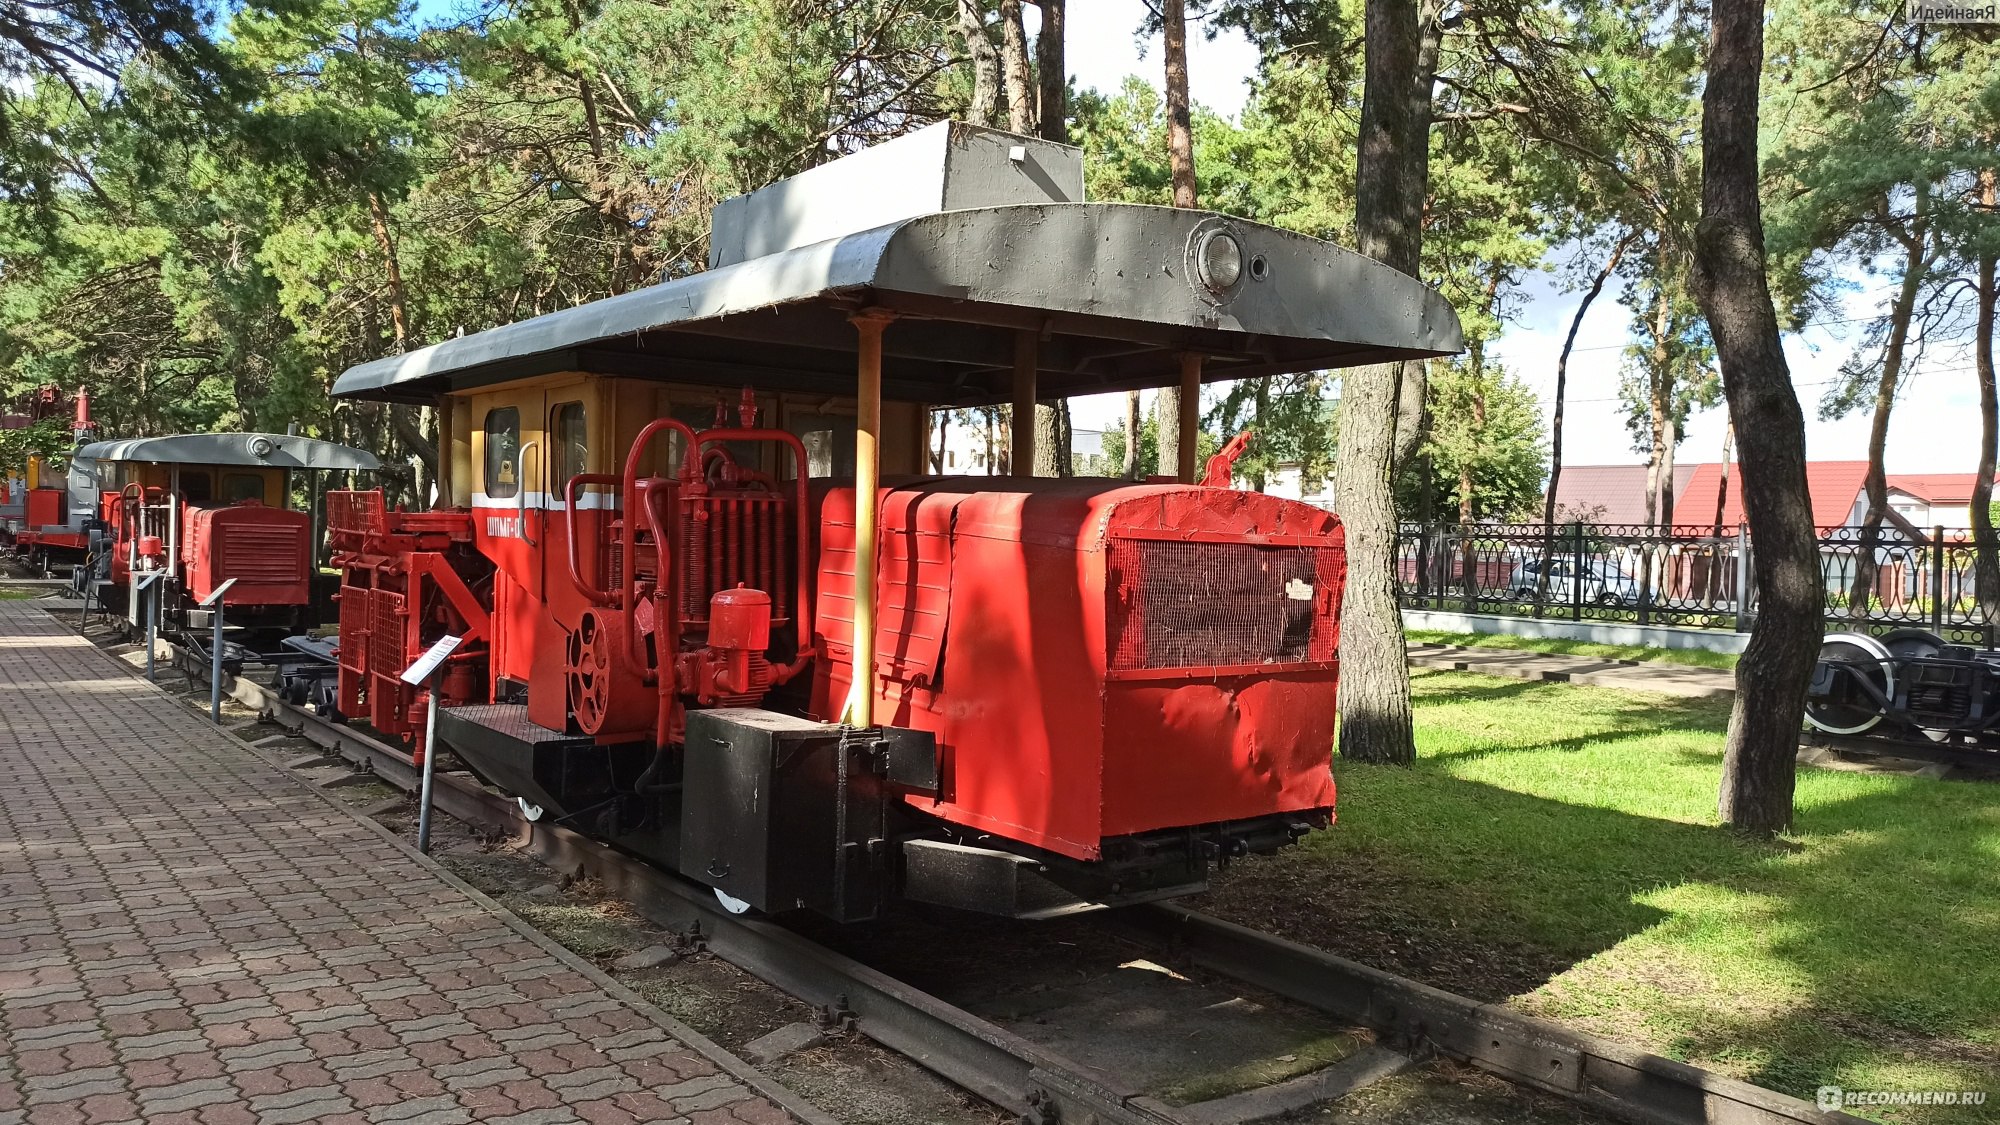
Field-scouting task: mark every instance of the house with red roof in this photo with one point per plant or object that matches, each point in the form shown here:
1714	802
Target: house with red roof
1839	496
1613	494
1934	499
1616	494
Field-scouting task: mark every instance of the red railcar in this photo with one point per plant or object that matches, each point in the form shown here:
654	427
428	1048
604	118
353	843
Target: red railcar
201	510
702	623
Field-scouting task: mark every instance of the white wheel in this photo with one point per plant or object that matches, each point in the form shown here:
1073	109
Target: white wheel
1859	649
730	902
529	812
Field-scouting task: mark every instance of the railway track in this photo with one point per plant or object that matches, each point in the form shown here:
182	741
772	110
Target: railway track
1409	1022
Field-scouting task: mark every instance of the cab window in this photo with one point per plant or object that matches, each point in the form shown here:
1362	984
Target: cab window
238	487
196	487
572	444
829	442
503	441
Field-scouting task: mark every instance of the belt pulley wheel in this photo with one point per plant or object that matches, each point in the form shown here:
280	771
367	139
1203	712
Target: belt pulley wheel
1866	660
587	669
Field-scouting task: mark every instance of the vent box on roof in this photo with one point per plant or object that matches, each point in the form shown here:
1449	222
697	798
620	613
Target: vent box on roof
948	166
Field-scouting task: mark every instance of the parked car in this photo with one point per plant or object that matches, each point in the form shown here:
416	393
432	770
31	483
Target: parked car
1603	582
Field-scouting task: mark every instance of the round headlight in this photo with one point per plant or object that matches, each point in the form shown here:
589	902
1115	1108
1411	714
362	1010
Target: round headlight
1221	261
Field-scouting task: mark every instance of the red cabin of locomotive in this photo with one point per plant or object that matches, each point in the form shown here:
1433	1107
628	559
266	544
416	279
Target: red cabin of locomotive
201	510
707	627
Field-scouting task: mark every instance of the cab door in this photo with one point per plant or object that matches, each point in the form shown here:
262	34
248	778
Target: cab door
509	525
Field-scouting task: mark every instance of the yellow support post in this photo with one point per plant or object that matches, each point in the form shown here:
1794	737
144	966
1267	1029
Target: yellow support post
1190	419
860	708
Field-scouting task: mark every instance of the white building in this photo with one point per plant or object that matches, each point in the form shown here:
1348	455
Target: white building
971	450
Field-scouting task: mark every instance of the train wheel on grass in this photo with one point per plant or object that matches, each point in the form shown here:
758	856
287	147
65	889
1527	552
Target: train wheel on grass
1867	660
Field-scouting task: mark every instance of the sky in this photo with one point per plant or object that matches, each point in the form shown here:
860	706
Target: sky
1935	427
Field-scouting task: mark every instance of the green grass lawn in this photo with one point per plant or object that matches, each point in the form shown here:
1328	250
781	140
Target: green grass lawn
1557	846
1564	647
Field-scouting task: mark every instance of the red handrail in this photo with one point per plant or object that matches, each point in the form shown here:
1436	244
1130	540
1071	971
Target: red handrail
628	590
594	595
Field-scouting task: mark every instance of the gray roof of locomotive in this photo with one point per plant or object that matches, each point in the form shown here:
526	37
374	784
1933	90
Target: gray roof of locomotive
270	451
1112	290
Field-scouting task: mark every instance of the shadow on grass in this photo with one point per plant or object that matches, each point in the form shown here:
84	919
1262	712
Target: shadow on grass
1890	921
1555	832
1502	892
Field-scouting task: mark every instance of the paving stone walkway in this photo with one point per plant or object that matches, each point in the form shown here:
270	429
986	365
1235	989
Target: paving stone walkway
189	936
1521	664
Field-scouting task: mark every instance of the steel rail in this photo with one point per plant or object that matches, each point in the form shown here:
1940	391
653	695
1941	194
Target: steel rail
1045	1087
1621	1081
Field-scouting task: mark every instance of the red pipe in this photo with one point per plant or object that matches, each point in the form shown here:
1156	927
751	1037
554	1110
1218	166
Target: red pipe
628	590
733	568
591	594
802	547
661	516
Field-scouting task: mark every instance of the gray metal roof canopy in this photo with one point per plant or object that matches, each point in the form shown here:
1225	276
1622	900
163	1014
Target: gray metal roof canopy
1114	290
271	451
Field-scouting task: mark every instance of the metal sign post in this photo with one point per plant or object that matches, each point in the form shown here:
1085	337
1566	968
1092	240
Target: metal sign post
148	600
213	603
426	671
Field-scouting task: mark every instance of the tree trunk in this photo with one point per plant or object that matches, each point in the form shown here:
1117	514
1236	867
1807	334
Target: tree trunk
1052	109
1413	380
1722	486
1133	425
1713	581
943	431
1180	128
1376	402
985	62
407	426
1050	449
1876	483
1180	164
399	316
1067	443
1760	754
1019	76
1659	399
1054	74
1261	407
1556	419
1986	550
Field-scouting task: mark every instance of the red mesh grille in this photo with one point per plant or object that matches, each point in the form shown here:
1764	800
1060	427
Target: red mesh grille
1176	604
385	635
386	663
353	516
354	604
262	553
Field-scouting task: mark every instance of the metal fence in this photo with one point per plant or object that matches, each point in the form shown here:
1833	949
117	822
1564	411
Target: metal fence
1684	575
